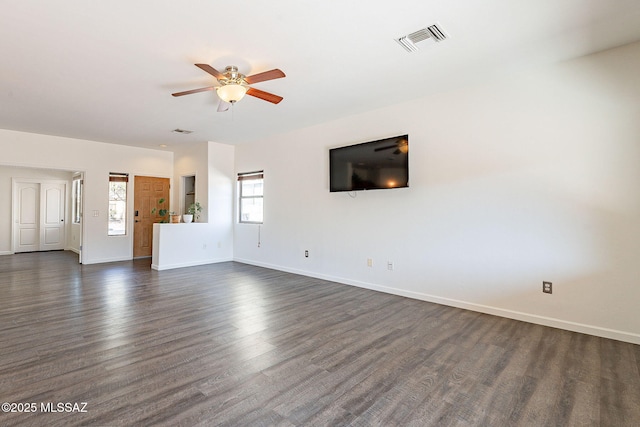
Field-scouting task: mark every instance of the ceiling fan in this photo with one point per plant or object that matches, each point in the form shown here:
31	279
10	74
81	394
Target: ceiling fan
401	146
234	85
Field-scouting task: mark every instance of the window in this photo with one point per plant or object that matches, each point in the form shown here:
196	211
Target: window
118	204
76	200
251	195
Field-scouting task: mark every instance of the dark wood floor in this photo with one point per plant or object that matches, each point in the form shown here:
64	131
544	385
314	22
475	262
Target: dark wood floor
232	344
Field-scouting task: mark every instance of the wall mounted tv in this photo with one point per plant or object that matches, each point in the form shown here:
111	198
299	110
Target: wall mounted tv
373	165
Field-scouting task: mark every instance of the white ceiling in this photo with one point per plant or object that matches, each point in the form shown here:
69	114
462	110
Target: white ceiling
105	70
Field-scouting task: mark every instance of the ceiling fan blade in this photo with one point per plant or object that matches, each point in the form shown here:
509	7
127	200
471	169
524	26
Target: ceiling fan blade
209	69
264	95
223	106
386	148
189	92
267	75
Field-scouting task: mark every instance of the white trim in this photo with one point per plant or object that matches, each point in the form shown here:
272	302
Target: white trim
189	264
6	253
103	260
496	311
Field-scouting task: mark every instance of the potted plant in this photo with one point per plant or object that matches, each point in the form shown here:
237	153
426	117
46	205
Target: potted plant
193	213
161	211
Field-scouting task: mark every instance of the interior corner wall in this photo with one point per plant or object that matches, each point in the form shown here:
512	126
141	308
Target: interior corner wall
96	160
221	185
213	165
511	183
191	160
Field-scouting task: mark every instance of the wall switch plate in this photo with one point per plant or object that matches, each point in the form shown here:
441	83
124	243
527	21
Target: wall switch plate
306	254
389	265
369	262
547	287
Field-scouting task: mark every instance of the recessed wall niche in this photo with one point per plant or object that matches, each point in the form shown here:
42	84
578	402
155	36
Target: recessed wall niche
189	191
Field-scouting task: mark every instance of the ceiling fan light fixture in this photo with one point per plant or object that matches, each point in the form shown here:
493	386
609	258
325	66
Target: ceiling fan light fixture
403	146
232	93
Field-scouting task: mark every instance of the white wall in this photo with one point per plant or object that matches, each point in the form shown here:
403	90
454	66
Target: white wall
6	202
221	184
191	160
96	160
184	245
213	165
511	183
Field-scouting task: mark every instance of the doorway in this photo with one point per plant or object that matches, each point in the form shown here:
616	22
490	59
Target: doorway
189	191
39	215
148	191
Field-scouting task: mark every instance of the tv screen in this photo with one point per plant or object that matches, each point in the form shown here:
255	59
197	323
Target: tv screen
373	165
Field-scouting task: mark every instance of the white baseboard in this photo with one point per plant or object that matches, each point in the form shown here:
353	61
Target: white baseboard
104	260
7	252
77	251
496	311
189	264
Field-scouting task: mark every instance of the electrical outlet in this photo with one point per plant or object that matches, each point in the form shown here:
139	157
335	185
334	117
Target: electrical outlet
306	254
547	287
389	265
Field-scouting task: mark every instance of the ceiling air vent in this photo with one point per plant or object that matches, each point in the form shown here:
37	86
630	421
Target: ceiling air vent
182	131
434	32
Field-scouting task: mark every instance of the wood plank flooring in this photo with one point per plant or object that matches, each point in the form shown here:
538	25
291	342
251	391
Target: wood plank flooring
237	345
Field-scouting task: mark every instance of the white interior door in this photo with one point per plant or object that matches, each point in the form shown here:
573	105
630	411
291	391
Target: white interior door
77	211
39	216
52	207
27	217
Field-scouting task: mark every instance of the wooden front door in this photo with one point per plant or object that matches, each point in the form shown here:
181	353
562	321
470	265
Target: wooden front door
147	192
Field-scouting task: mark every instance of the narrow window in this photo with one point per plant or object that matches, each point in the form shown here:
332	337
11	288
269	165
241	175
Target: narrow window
250	189
118	204
76	200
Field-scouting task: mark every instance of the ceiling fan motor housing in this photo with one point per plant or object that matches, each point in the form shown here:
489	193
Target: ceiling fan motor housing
232	76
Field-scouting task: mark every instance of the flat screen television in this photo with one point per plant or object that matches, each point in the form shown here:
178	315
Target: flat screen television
374	165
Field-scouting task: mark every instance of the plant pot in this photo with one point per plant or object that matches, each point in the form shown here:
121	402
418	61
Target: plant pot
175	219
186	218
